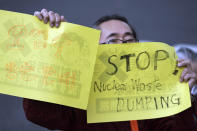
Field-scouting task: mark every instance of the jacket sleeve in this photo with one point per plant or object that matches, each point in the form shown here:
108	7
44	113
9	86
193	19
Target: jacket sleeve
51	116
183	121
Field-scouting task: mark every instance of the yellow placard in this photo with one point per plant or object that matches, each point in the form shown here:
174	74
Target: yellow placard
128	81
44	63
136	81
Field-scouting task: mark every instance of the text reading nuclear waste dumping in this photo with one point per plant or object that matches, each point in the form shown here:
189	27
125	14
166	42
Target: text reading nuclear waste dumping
135	85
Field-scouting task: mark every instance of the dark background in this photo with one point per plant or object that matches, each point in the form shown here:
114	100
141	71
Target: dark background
169	21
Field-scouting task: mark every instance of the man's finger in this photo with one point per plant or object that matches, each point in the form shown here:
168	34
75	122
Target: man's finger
187	77
58	20
184	72
63	19
52	18
184	63
45	15
179	60
38	14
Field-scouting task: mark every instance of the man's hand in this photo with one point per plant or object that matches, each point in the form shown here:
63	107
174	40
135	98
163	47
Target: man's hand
188	75
49	16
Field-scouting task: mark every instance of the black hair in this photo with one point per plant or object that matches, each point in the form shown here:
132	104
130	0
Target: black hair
188	53
115	17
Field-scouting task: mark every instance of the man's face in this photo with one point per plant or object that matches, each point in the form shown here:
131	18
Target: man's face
115	29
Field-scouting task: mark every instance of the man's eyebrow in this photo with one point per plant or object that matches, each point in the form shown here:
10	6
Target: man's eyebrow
116	34
112	34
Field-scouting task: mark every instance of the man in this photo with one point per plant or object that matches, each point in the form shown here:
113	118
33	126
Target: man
114	29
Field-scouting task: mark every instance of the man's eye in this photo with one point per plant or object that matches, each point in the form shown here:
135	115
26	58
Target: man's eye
114	41
131	40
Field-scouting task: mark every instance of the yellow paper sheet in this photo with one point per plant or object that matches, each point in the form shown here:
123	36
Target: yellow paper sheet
136	81
44	63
